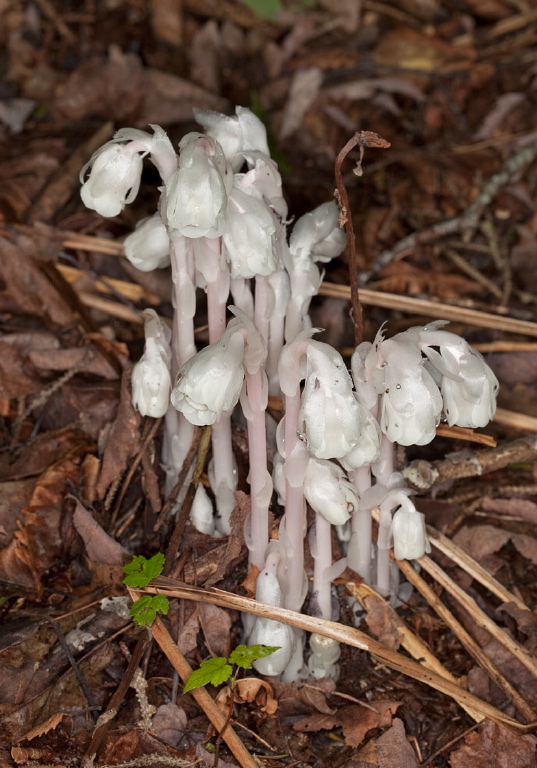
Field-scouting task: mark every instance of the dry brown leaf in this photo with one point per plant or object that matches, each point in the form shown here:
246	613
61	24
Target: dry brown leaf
250	689
109	88
204	60
170	99
42	728
526	545
481	540
26	290
296	699
100	547
492	746
123	441
170	724
216	625
355	720
382	621
521	508
407	279
167	21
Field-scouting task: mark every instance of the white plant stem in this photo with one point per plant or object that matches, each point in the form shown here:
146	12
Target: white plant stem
225	475
359	552
295	508
322	553
259	478
178	430
384	469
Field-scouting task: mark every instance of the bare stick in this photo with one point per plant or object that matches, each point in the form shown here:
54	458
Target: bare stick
361	139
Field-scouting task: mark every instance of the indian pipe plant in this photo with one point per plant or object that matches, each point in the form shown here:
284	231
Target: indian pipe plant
222	225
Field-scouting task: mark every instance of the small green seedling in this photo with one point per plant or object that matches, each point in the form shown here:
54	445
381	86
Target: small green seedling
140	572
219	670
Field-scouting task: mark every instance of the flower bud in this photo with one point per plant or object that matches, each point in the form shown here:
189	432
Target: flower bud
329	416
328	491
236	134
409	534
151	380
148	247
114	178
209	384
195	199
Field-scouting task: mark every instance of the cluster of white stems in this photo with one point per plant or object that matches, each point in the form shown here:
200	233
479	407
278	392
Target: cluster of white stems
222	225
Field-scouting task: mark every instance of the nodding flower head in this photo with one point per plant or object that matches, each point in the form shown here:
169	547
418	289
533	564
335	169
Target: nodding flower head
329	416
151	380
469	387
409	534
410	404
114	179
318	235
209	384
236	134
328	491
248	240
195	198
148	247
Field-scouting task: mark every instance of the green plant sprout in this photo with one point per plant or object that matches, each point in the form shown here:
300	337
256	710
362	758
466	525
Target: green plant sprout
219	670
140	572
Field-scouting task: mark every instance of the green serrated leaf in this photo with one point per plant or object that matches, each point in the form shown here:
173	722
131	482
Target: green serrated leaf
144	611
265	9
161	603
140	571
214	671
244	655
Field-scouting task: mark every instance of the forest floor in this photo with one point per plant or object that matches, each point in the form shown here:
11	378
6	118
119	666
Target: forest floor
446	227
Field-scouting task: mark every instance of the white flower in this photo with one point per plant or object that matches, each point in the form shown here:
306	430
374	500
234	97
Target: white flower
148	247
268	631
328	491
249	236
201	512
236	134
209	384
151	380
329	416
114	178
367	448
411	404
318	235
469	387
409	534
195	199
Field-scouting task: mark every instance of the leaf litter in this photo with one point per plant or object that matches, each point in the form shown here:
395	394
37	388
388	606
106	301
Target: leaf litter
445	88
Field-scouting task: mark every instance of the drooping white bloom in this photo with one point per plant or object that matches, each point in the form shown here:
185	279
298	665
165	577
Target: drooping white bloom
264	181
318	234
329	417
148	247
411	404
209	384
114	180
151	379
268	631
248	239
367	448
201	512
195	199
328	491
408	530
116	168
469	387
237	134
